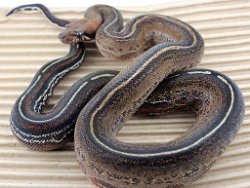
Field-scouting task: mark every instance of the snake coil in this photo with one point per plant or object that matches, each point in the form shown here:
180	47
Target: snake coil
158	80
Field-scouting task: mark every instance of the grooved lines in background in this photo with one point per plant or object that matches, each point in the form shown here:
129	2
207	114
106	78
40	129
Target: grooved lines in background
27	41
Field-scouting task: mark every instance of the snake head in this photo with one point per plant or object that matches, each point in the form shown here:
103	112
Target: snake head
71	37
78	31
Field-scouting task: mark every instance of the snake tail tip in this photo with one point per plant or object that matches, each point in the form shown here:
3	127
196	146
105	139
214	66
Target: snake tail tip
10	12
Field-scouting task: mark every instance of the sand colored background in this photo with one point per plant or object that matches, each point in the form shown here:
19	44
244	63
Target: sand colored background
27	41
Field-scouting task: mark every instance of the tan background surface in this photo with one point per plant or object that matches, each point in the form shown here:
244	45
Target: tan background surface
27	41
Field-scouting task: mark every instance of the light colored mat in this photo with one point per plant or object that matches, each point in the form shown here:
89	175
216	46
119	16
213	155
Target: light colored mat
27	41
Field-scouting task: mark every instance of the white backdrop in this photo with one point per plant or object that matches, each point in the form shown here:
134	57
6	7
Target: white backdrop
85	3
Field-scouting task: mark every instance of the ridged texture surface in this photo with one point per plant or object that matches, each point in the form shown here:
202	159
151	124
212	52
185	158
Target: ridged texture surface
27	41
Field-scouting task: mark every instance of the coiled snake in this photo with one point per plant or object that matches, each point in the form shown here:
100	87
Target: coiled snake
158	80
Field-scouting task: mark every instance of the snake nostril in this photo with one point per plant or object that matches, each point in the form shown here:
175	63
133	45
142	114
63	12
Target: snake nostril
61	36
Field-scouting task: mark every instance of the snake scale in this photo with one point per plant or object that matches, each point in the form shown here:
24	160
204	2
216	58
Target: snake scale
159	80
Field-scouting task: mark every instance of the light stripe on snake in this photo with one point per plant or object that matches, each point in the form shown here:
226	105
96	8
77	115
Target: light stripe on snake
154	83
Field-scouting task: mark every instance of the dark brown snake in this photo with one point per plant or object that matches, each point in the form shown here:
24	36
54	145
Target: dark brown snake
157	81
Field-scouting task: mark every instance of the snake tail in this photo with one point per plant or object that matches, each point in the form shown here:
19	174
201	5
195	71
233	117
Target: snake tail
51	17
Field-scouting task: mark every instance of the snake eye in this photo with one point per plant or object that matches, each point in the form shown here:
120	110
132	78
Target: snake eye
80	33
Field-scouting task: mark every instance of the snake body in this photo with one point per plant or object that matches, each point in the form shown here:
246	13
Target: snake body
154	82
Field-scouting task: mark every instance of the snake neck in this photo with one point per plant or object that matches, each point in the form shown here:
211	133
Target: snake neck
102	16
95	18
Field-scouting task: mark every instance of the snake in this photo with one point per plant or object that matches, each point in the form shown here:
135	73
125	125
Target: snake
159	80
